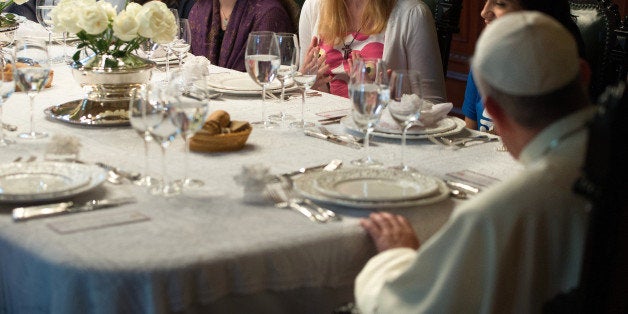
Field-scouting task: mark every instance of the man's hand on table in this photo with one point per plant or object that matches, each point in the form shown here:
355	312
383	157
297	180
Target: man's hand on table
390	231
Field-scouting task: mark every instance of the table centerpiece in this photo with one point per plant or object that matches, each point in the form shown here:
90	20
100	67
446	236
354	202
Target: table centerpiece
8	23
105	62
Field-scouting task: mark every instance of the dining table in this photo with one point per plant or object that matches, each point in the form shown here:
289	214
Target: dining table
209	249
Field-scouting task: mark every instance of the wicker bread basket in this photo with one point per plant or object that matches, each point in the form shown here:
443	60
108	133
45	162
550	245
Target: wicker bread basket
224	142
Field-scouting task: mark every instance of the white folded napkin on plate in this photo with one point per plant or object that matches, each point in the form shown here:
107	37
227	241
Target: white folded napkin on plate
430	114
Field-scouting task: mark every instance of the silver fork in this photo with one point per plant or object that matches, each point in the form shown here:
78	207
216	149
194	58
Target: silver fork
279	196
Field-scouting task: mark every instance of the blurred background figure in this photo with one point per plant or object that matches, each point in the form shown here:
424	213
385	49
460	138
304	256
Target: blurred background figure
401	32
220	28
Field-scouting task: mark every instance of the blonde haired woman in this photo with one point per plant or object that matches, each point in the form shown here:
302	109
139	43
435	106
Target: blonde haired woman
401	32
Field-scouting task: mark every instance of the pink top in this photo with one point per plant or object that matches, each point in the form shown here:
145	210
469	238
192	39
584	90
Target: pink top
367	46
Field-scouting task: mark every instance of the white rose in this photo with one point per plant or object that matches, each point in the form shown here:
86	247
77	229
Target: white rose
93	19
109	9
18	2
125	26
65	16
133	9
157	22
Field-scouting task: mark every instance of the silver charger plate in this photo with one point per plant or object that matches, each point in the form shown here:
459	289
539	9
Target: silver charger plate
63	112
304	185
373	184
46	181
241	84
348	123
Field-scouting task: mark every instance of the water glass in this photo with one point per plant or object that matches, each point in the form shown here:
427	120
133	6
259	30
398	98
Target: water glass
262	60
305	78
289	56
32	76
369	93
7	87
406	101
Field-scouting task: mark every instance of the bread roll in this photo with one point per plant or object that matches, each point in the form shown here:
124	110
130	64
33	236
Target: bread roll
8	73
221	116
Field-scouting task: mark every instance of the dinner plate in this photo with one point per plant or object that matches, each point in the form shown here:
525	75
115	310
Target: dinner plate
305	186
236	83
348	123
369	184
388	125
45	181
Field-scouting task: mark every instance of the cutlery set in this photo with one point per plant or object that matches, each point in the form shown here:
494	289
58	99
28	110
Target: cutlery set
461	142
281	194
39	211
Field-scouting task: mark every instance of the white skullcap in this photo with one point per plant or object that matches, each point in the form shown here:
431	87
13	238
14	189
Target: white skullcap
526	54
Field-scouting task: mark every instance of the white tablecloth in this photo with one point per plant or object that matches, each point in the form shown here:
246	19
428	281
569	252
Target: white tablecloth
205	250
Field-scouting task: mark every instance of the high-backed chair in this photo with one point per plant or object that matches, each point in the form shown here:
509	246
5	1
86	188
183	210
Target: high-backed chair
597	20
603	284
619	54
447	17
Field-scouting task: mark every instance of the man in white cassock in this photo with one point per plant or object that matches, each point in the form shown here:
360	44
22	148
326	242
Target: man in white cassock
519	243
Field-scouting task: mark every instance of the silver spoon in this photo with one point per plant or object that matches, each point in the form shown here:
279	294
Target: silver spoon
458	194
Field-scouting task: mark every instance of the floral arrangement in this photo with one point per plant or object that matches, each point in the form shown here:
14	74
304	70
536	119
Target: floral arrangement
9	18
102	31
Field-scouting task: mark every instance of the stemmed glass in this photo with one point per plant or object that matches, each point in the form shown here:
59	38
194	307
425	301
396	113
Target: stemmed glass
171	44
137	117
369	93
406	101
32	76
188	101
42	12
289	51
161	128
182	45
7	86
305	78
262	60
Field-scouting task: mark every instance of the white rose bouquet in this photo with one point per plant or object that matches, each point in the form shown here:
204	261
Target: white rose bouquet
9	18
100	30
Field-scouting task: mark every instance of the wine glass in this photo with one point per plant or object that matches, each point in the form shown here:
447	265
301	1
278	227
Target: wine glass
262	60
305	78
182	45
289	51
161	129
32	76
188	101
369	93
171	44
7	87
137	118
406	101
42	12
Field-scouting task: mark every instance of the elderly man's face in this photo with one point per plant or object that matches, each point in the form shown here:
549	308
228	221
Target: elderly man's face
494	9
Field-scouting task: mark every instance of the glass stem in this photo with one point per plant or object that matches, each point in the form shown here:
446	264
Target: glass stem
303	107
1	125
283	103
180	60
186	158
403	146
31	98
367	150
145	154
264	122
164	173
66	58
168	51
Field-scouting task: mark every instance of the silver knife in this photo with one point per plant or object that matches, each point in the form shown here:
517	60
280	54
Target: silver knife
333	139
463	186
29	212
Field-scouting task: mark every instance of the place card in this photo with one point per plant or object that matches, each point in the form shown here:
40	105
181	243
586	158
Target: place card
474	178
96	222
333	114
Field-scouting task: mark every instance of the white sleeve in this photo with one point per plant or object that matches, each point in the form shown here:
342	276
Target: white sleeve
412	43
307	26
451	273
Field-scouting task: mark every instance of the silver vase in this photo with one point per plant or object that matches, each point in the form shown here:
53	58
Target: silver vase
109	82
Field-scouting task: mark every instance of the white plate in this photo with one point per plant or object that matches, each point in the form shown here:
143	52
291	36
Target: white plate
388	125
369	184
460	125
44	181
237	83
304	185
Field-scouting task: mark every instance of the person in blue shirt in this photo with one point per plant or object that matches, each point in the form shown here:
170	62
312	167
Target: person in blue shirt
476	117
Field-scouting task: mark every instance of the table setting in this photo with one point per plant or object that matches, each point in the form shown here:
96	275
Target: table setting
274	201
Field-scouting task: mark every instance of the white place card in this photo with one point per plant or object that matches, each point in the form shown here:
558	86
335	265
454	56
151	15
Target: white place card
89	223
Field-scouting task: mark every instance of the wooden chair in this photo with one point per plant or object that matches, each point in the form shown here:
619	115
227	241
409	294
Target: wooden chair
598	20
603	284
447	17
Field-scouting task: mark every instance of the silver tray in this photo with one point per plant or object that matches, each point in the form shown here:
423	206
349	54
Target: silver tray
63	113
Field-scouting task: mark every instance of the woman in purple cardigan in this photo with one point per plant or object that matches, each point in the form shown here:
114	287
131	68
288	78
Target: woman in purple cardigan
220	28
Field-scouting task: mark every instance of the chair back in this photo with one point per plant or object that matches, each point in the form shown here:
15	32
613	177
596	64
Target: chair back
293	7
597	21
603	283
447	17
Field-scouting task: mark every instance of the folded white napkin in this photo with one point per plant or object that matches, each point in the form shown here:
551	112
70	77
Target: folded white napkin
430	114
196	65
